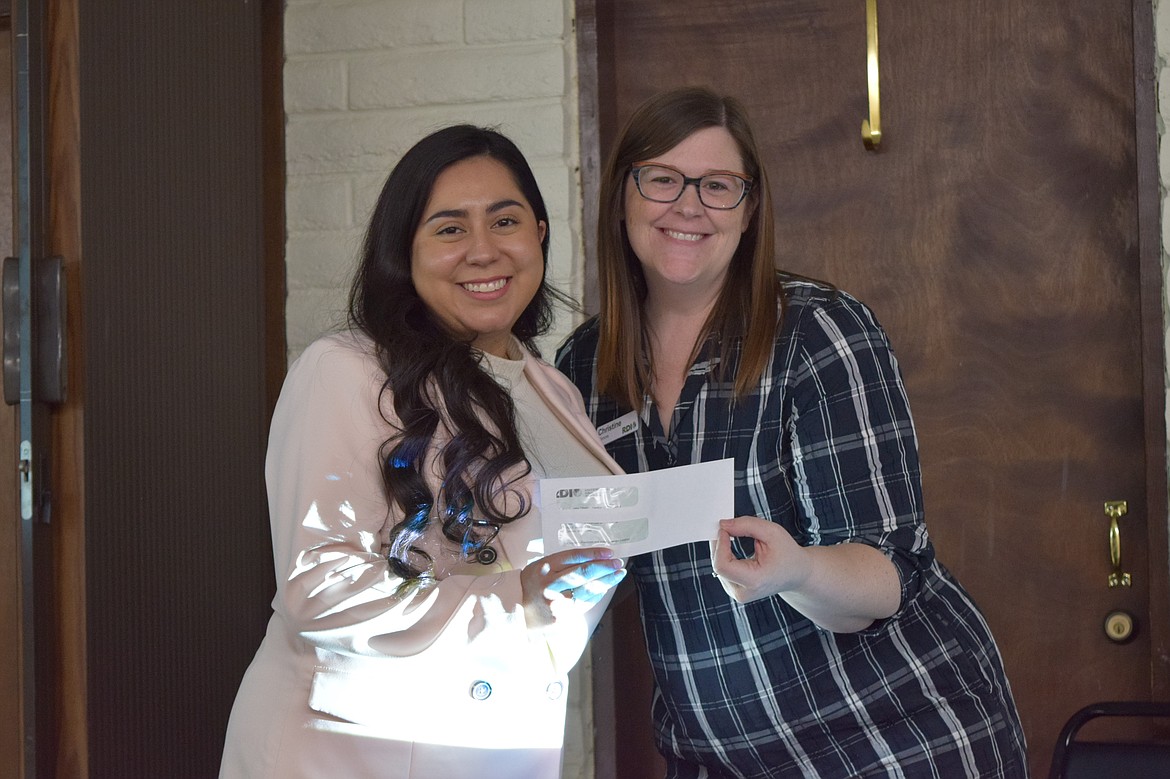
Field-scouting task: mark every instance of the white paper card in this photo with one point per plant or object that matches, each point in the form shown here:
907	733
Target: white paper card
638	512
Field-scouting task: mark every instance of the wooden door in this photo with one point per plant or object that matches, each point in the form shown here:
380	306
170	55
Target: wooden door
1000	233
160	576
176	156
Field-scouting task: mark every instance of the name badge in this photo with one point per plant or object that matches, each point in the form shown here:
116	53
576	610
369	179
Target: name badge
620	427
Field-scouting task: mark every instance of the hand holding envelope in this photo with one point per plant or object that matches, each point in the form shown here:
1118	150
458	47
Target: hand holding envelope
638	512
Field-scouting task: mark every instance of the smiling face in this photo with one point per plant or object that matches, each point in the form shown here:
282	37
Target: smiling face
476	259
685	247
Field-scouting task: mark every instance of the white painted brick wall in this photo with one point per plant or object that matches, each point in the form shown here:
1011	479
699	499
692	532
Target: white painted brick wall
364	80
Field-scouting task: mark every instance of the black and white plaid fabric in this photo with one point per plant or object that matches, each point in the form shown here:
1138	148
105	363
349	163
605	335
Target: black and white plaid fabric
825	447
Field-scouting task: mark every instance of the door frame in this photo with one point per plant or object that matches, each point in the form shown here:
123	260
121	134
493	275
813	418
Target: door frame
1149	209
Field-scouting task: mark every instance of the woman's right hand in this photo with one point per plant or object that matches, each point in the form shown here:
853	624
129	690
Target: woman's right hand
568	582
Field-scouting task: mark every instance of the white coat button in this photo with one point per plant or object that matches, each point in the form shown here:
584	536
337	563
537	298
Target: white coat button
481	690
554	690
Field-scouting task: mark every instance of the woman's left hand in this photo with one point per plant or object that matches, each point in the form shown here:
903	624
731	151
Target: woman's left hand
779	563
843	587
566	582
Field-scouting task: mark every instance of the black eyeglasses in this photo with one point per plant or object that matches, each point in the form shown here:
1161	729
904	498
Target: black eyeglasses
722	190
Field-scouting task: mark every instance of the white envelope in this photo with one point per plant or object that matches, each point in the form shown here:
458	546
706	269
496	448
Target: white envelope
637	512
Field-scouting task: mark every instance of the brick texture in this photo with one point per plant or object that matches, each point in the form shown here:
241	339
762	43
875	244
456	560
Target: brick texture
365	79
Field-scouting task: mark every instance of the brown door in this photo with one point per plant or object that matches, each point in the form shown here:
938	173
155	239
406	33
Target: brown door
997	231
157	587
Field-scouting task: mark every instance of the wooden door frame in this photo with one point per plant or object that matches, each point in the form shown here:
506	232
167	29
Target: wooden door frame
11	618
1153	338
594	65
63	164
594	58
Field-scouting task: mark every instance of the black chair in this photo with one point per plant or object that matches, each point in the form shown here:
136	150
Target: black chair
1104	760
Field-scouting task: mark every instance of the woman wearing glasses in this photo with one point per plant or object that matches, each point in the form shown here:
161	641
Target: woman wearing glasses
817	635
417	629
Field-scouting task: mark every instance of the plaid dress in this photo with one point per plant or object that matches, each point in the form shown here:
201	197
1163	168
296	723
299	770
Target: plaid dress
824	446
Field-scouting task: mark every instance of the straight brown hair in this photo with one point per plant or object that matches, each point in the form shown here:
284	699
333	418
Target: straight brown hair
747	305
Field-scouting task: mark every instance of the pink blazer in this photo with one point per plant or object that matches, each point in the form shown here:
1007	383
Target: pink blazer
354	679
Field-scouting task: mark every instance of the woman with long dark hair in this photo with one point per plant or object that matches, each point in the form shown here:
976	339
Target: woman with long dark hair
818	635
418	630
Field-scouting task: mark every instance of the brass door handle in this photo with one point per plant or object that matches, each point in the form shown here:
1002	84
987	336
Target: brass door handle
871	128
1115	510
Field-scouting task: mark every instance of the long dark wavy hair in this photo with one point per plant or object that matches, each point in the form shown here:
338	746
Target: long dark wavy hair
434	378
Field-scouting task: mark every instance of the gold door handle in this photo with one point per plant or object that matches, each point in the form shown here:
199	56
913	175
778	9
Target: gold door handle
871	128
1115	510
